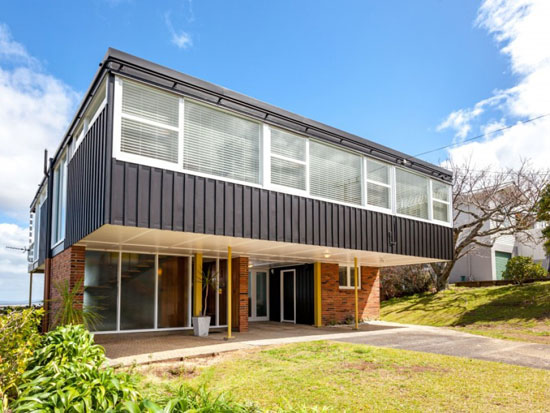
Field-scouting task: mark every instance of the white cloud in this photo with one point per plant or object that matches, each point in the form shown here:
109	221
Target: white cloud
521	29
180	38
35	109
14	280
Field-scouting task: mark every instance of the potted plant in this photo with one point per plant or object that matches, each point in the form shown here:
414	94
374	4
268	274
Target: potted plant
201	324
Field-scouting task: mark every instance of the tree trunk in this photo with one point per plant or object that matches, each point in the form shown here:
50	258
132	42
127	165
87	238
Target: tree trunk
442	272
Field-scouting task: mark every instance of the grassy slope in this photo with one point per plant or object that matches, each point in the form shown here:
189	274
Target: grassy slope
348	377
510	312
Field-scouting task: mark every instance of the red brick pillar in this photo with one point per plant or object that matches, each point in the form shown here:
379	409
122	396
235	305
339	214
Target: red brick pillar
240	293
338	305
67	266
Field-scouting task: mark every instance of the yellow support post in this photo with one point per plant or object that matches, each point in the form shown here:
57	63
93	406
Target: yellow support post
229	293
356	278
317	294
197	278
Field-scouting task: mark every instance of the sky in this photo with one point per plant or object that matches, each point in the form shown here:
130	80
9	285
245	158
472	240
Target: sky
414	76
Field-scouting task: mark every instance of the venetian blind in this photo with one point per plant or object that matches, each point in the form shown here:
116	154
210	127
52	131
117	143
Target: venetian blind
411	194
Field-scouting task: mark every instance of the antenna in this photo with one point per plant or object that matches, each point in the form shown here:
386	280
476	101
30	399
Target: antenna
22	249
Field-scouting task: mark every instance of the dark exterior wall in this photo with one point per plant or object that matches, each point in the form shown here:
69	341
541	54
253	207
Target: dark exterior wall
43	242
149	197
87	182
304	293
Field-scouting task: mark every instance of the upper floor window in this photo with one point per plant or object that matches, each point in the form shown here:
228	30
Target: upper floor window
441	201
288	160
150	122
334	173
411	194
59	200
378	184
221	144
90	115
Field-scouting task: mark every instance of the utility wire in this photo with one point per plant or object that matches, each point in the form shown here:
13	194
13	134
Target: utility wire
482	135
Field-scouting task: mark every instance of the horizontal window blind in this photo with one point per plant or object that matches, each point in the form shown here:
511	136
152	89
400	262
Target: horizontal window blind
411	194
440	211
288	145
440	191
378	195
288	173
378	184
334	174
221	144
150	103
378	172
146	140
440	201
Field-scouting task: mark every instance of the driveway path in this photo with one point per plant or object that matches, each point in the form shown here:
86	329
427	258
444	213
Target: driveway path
455	343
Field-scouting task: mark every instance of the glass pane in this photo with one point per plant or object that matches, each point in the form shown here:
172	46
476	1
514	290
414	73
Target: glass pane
209	272
261	294
173	301
221	144
441	211
287	144
377	171
137	305
288	173
378	195
412	194
334	174
352	277
250	293
343	276
440	191
222	292
150	103
151	141
101	286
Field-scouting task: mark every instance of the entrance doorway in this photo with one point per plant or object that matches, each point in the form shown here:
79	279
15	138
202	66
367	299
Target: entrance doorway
288	296
258	295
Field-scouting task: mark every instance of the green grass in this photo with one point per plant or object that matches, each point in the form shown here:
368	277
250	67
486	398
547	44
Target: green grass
347	377
508	312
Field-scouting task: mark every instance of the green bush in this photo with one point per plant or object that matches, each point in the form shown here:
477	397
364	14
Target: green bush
19	335
67	373
520	269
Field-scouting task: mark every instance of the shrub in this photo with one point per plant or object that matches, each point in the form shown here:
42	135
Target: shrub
67	372
405	280
520	269
19	334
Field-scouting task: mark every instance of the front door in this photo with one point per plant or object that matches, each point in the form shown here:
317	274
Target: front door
288	296
258	295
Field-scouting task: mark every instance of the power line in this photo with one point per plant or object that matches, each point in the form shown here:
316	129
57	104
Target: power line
482	135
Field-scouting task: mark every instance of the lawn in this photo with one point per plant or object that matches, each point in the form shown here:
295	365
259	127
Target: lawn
348	377
508	312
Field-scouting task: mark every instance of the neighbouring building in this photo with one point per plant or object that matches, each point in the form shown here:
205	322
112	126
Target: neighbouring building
488	264
159	173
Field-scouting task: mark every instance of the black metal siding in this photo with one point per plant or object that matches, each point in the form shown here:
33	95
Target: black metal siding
86	183
156	198
305	306
42	242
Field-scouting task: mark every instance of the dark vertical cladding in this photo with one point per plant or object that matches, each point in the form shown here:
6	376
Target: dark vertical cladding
155	198
86	182
304	293
42	242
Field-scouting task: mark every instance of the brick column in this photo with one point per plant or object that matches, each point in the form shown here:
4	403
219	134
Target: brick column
67	266
240	293
338	305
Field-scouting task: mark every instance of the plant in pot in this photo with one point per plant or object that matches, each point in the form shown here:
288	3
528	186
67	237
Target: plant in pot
201	324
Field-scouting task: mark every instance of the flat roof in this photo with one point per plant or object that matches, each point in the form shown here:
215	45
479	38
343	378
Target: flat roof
119	62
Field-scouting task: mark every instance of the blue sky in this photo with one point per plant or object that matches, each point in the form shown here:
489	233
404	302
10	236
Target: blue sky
413	75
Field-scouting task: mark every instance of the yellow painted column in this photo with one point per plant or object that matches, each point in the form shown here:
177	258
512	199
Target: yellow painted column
356	278
197	281
318	318
229	293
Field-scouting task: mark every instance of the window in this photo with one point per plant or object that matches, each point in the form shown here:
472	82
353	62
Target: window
221	144
59	200
411	194
93	110
346	277
137	292
334	173
441	202
378	184
150	122
288	160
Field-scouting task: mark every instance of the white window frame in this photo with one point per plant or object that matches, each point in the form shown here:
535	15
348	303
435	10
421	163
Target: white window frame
265	159
87	122
349	274
58	232
391	186
441	201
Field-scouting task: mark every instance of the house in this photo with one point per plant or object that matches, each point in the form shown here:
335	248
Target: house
487	264
162	176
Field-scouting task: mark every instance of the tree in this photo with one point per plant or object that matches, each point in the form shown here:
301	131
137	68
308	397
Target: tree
488	204
543	214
